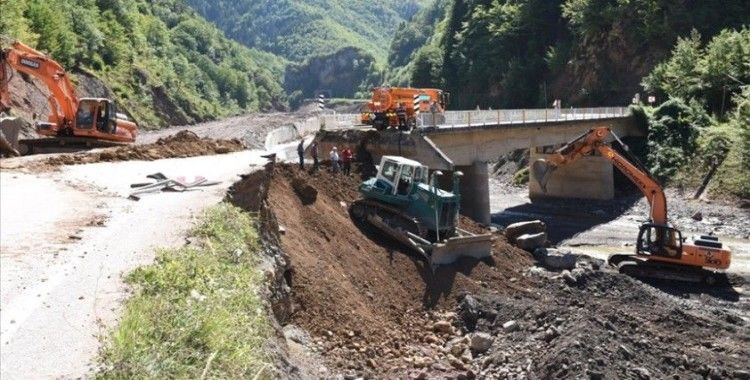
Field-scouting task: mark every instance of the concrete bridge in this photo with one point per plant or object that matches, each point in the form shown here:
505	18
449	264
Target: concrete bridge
469	140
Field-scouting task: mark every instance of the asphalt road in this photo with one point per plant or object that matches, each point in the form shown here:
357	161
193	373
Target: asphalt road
62	287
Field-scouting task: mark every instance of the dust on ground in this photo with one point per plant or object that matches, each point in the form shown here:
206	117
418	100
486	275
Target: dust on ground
372	309
181	145
251	129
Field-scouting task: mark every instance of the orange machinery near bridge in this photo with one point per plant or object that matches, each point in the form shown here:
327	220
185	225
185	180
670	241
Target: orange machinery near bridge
385	100
86	122
661	251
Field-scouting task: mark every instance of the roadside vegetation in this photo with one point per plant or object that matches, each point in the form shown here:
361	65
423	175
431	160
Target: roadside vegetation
162	62
704	120
526	53
196	312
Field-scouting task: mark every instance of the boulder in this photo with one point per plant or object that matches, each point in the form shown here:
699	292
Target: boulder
531	242
468	311
442	327
513	231
306	193
481	342
559	260
510	326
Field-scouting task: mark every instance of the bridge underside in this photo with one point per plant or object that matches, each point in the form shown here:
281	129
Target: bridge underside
471	149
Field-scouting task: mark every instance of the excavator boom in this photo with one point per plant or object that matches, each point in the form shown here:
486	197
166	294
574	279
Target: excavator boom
63	100
659	246
74	123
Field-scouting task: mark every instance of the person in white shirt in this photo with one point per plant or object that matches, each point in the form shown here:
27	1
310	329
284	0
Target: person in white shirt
335	160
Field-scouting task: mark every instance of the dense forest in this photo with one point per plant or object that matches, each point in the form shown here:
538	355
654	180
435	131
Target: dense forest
299	30
585	52
317	37
162	62
692	56
166	64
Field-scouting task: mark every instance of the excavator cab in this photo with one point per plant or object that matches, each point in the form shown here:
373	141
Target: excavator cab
659	240
96	113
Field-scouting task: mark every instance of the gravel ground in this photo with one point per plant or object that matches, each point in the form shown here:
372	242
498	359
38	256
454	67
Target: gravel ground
600	228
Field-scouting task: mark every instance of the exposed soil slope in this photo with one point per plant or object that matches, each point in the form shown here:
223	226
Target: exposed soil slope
181	145
358	292
375	310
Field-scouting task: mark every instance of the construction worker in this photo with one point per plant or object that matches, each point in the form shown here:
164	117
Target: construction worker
314	154
346	159
335	158
401	114
301	154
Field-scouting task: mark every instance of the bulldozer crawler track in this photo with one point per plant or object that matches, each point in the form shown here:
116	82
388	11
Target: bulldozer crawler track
392	216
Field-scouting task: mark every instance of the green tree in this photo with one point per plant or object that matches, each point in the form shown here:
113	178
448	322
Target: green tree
672	135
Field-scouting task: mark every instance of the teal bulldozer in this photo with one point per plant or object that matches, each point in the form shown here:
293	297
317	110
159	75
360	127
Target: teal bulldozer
404	202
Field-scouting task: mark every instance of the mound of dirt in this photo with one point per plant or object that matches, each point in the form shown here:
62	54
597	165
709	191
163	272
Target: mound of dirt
370	304
183	144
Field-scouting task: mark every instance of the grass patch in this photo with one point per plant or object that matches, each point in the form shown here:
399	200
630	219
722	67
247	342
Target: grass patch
732	179
521	177
196	312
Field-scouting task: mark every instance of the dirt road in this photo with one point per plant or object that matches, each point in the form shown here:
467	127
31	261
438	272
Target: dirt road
68	236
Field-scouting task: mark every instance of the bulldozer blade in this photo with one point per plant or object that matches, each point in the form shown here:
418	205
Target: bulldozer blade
447	252
541	171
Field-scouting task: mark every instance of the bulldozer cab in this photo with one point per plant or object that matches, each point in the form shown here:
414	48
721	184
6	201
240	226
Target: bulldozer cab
402	174
659	240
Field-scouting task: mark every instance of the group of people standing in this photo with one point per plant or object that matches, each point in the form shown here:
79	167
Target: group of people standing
339	161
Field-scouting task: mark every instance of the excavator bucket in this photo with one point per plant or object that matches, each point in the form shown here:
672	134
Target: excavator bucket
541	171
463	245
9	129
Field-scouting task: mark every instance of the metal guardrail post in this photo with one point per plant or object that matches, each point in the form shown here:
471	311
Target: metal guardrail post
523	116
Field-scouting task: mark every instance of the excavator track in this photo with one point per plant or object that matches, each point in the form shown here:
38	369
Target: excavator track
643	268
63	144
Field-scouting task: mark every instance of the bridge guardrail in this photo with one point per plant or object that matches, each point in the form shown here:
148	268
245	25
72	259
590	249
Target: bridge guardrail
472	118
519	116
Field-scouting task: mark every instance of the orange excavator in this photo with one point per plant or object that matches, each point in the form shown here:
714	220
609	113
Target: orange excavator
661	251
74	123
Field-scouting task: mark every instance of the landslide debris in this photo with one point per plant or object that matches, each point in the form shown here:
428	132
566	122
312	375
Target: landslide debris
180	145
371	309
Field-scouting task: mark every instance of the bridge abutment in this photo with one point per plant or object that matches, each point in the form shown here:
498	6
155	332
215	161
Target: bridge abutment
475	192
589	177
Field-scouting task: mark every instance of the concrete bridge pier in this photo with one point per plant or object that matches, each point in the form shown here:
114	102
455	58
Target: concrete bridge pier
475	192
590	177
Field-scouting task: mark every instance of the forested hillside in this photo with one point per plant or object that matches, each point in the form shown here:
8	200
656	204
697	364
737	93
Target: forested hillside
162	62
693	56
334	47
524	53
298	30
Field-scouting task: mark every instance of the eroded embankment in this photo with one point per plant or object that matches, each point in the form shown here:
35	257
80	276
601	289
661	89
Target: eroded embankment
180	145
374	310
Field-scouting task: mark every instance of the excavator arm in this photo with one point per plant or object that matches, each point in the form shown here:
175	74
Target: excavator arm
63	99
592	141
